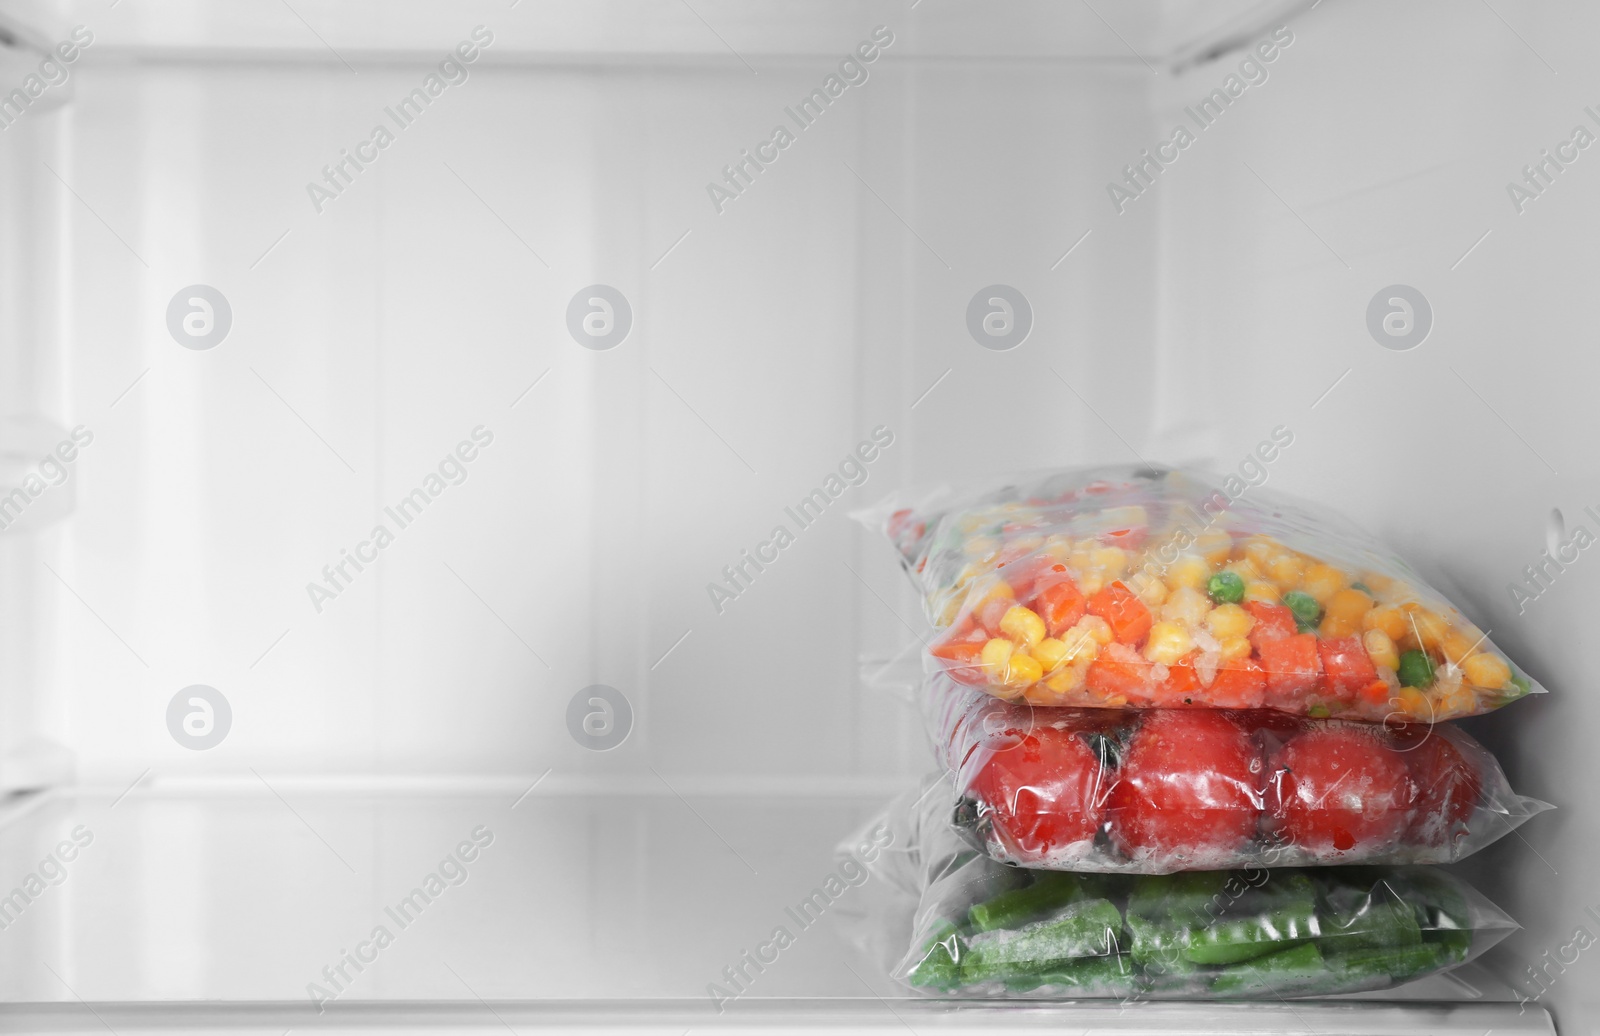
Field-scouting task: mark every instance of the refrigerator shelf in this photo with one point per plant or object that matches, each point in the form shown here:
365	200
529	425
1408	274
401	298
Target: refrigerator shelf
857	1015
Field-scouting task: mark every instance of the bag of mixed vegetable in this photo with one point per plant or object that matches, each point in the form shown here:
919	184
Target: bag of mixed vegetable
1151	588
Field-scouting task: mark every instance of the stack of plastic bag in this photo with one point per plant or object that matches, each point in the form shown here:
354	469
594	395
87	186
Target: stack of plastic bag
1191	739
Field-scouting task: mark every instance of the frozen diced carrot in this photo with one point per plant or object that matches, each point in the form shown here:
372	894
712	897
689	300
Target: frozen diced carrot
1127	616
1292	664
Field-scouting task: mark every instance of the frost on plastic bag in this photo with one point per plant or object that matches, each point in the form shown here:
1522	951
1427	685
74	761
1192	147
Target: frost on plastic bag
1158	791
1148	588
985	929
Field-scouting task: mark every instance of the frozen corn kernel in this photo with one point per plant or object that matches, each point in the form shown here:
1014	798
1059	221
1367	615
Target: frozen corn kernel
1287	570
1229	620
1059	547
1001	590
1387	618
1455	700
1085	640
981	592
1377	582
1068	679
996	654
1316	569
1244	568
1486	671
982	547
1414	703
1214	545
1049	652
1023	670
1262	591
1113	561
1424	629
1404	595
1081	648
1096	628
1333	627
1457	646
1023	625
1261	551
1091	581
1040	694
1349	604
1186	607
1343	615
1151	590
1235	648
1322	582
1381	649
1188	571
1167	642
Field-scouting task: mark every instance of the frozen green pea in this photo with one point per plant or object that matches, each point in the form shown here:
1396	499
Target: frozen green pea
1305	608
1416	669
1225	588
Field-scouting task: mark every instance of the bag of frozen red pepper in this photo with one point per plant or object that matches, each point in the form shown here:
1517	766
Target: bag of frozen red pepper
1163	790
1147	588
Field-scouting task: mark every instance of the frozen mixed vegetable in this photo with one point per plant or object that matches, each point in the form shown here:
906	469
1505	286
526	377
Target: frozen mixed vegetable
1149	588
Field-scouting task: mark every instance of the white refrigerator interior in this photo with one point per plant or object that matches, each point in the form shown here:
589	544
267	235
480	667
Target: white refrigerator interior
380	379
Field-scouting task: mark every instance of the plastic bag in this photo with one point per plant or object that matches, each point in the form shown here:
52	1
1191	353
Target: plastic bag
985	929
1157	791
1146	588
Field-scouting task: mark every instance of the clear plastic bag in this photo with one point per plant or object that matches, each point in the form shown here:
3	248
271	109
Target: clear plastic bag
1158	791
1148	588
982	929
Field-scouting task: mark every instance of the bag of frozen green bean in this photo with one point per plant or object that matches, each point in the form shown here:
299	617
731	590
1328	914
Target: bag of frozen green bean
986	929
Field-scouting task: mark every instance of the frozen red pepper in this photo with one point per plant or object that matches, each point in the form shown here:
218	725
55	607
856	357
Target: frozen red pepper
1119	672
1346	667
962	647
1181	686
1293	666
1127	616
1058	601
1239	684
1273	622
